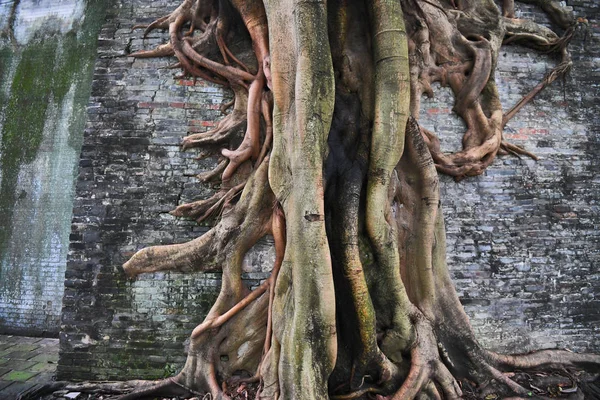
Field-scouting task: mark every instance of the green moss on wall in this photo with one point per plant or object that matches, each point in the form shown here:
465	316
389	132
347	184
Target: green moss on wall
22	133
47	68
45	90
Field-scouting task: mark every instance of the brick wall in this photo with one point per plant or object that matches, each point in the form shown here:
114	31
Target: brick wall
521	239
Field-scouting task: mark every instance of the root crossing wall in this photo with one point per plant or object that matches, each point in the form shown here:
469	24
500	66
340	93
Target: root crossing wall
523	239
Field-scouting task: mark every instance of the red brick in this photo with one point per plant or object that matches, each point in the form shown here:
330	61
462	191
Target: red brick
185	82
151	105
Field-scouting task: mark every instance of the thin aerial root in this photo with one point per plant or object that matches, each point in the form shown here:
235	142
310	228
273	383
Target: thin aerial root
205	153
226	71
168	387
222	201
191	69
236	157
557	72
469	162
185	388
427	377
243	381
178	49
234	58
517	150
203	209
176	65
447	382
128	390
226	53
179	17
213	174
222	132
267	113
480	74
197	73
213	384
431	392
197	208
225	106
250	146
221	45
160	23
220	320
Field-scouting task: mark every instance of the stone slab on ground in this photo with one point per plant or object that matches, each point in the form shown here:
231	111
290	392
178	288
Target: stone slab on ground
25	362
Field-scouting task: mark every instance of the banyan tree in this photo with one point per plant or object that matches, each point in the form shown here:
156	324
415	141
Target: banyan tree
321	148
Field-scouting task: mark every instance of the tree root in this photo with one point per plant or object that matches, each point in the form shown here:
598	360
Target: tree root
223	131
517	150
167	387
249	103
207	253
476	96
562	69
545	360
427	371
233	75
214	174
220	320
202	209
250	146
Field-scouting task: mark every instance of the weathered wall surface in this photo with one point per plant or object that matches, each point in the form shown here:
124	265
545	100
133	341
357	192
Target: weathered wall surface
47	53
522	240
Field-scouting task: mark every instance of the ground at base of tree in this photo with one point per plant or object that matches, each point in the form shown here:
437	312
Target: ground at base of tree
564	385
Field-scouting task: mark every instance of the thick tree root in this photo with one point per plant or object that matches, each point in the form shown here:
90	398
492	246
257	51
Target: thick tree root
427	371
250	146
545	360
